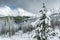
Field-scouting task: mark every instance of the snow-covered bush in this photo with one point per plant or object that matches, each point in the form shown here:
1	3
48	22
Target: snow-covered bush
26	27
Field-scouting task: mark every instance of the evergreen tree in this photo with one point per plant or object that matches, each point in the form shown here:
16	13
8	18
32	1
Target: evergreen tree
41	33
43	24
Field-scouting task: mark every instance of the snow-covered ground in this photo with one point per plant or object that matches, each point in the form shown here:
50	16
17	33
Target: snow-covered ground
27	36
18	36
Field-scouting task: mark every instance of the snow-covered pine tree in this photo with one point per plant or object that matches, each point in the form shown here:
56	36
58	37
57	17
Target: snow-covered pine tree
43	24
40	32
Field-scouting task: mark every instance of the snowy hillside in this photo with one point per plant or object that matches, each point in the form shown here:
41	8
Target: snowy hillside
5	11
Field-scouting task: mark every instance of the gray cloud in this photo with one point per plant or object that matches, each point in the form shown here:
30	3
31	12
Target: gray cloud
30	5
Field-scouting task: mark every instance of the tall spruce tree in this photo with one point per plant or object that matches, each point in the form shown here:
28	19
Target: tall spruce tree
41	33
43	24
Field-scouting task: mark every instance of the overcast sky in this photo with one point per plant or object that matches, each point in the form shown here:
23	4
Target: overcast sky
30	5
